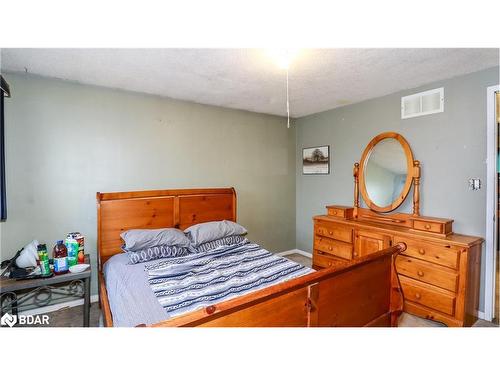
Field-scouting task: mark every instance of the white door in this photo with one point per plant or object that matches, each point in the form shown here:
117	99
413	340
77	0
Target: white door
491	202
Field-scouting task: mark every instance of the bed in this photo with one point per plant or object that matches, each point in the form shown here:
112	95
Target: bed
364	292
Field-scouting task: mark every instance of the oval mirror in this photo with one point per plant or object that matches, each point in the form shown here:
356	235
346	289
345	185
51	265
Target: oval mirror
386	172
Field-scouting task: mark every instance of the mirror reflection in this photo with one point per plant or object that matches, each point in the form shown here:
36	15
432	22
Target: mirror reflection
385	172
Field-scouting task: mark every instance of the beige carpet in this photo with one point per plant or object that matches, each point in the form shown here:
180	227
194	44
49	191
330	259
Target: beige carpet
70	317
305	261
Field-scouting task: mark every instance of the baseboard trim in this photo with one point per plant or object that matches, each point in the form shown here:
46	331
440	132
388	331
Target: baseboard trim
58	306
295	251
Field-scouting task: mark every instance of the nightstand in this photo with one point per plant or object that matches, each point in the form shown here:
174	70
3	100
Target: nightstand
68	284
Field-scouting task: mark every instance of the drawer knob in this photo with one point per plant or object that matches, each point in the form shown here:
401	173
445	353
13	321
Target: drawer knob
418	296
330	232
335	212
329	264
420	273
427	226
355	254
330	248
421	251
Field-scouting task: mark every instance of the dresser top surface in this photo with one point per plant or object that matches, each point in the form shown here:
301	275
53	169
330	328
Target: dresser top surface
454	238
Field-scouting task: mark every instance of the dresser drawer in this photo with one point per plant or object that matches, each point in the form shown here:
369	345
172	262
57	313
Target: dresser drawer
427	272
427	295
333	230
337	248
428	226
321	260
340	211
440	254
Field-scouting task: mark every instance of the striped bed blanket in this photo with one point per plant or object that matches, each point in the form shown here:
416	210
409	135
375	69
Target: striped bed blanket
191	282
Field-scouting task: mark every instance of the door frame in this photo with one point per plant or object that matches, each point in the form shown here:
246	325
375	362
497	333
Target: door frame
491	203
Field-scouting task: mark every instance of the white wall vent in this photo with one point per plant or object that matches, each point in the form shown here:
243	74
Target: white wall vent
422	103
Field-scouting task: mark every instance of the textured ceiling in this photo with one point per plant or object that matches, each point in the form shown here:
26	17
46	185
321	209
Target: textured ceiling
248	79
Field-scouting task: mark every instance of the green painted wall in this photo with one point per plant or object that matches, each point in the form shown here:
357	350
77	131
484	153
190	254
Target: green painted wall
66	141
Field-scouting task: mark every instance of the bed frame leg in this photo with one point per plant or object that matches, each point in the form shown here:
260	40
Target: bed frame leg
397	298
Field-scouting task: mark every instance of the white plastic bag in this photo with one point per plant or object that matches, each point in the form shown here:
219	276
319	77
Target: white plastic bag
28	256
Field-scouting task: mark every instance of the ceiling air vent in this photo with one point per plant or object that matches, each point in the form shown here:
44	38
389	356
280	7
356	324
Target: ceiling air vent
422	103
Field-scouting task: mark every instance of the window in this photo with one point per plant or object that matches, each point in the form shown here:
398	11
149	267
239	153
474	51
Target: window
4	92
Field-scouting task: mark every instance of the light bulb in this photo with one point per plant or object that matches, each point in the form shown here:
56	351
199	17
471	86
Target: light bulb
282	57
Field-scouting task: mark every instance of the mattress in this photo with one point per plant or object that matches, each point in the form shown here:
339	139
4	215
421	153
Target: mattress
164	288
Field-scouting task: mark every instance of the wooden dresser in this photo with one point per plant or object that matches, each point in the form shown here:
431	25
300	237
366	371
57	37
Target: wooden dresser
439	272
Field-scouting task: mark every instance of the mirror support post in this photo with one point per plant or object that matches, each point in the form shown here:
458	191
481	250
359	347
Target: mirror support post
355	173
416	188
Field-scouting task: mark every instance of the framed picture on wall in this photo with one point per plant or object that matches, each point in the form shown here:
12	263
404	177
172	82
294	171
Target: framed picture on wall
316	160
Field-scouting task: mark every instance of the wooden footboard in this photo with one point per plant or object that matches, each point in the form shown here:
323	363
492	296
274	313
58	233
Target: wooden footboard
363	293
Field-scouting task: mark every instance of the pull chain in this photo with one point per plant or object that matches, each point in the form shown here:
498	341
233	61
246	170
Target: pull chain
287	102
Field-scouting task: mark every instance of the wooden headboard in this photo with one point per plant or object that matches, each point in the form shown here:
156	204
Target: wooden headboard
178	208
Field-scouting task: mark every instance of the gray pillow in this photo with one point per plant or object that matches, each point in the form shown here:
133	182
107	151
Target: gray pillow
157	252
139	239
213	230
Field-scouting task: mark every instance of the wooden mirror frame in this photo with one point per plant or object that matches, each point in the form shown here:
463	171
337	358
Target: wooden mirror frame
413	176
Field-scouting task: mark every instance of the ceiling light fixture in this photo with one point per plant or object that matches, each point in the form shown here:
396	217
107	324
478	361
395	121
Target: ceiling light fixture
283	58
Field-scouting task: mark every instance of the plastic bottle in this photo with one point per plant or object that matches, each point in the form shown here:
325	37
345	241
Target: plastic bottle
60	255
72	248
43	259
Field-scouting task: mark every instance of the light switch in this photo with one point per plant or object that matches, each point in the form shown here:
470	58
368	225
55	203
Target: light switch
474	184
